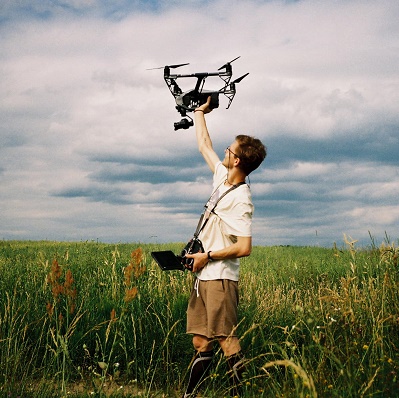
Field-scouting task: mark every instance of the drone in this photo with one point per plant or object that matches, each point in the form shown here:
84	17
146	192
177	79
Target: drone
190	100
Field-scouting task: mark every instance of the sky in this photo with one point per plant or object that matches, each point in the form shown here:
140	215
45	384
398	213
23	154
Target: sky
87	145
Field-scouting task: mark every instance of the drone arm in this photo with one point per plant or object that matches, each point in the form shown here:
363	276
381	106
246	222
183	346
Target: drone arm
199	84
229	90
172	85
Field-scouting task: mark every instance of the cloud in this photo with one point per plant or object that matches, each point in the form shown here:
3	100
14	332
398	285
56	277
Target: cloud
88	148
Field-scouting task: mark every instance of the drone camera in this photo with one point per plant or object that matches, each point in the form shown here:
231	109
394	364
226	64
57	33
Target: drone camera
183	124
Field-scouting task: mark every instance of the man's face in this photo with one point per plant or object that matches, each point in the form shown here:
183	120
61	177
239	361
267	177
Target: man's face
230	154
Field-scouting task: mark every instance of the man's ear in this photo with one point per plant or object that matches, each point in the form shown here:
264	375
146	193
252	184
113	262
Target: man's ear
237	161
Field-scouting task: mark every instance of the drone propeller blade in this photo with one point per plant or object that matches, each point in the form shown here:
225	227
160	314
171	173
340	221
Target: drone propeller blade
228	63
169	66
240	78
177	65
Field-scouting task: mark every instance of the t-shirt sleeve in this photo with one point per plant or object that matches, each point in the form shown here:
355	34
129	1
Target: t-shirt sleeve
220	174
239	221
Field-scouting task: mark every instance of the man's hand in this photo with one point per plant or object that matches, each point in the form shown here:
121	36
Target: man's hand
200	260
205	107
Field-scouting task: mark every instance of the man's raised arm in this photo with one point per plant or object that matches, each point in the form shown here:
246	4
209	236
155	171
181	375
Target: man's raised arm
203	139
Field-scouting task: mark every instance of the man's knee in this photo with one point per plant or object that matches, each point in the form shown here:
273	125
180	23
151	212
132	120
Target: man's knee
202	343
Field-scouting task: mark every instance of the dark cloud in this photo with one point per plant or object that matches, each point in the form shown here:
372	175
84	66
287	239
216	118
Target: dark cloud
112	168
143	173
374	144
114	196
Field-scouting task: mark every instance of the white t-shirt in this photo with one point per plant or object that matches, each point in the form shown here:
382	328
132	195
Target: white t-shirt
233	218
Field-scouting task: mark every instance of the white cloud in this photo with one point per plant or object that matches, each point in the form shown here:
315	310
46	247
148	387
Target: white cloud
80	111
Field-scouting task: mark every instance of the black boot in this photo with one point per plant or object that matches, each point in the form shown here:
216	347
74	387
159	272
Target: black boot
199	371
236	364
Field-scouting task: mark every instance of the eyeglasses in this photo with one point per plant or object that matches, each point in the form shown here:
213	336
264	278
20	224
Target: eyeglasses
228	149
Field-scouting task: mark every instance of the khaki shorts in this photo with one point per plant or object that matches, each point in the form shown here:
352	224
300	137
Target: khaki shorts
212	308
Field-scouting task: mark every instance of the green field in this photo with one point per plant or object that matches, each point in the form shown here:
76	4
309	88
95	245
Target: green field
92	319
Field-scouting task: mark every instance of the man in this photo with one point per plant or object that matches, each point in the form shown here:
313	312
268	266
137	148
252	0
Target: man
212	309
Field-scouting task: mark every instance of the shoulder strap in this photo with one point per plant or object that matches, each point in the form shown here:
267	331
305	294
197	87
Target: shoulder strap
202	222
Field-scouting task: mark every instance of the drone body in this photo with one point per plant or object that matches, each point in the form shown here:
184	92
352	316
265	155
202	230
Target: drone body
189	100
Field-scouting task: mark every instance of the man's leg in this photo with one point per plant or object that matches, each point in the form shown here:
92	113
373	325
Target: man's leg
201	364
236	362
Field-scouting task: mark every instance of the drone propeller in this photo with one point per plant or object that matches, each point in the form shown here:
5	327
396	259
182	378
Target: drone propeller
228	63
240	78
169	66
177	65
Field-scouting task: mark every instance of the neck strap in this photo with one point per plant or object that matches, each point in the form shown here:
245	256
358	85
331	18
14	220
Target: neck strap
202	222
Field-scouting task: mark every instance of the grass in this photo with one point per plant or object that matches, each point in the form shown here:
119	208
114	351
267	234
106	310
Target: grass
91	319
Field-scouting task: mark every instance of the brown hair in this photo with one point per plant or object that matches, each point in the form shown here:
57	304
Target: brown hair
251	153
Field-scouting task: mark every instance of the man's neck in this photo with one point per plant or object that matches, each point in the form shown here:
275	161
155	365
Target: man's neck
234	178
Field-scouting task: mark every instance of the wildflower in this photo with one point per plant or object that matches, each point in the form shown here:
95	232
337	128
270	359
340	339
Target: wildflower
53	279
365	347
68	280
133	269
130	294
137	258
55	273
70	291
57	290
128	272
72	307
68	285
50	309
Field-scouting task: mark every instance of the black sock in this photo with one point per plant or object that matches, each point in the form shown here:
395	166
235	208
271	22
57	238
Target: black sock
237	368
199	370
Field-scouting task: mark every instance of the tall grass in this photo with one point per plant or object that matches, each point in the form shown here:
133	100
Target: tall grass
87	318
